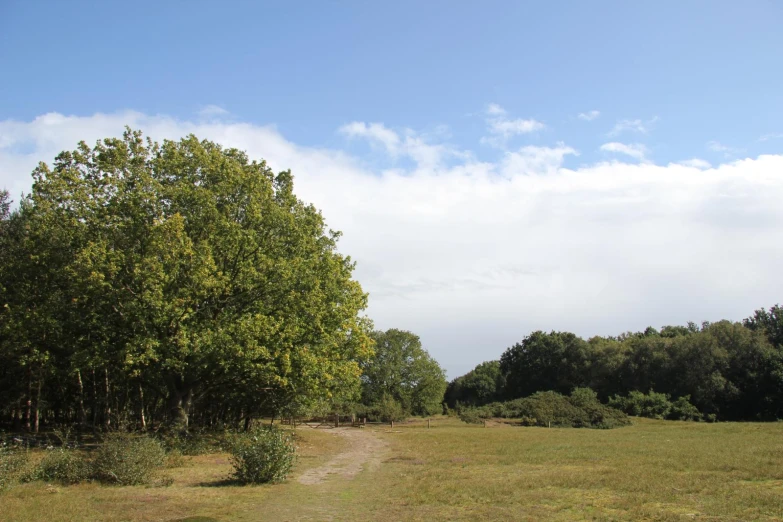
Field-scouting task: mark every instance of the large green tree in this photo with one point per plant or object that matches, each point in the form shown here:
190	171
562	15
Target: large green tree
483	384
556	361
403	371
190	269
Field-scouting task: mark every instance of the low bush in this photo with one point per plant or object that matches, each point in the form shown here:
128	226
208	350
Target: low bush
581	410
14	463
470	415
63	465
682	409
388	409
125	459
263	455
190	444
655	405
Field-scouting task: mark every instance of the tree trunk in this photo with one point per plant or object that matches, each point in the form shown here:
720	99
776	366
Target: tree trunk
107	404
82	413
18	418
94	401
29	405
179	407
141	407
37	420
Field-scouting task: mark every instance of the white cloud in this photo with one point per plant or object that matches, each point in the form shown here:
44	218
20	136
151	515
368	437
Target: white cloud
696	163
376	132
411	144
508	128
475	255
639	126
728	152
767	137
213	111
634	150
503	128
495	109
589	116
533	160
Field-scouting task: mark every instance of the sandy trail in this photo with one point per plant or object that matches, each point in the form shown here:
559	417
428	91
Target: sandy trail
365	451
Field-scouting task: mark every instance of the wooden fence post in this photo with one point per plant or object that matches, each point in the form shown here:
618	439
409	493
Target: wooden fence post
428	424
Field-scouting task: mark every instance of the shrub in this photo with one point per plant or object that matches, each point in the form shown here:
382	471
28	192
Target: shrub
682	409
656	406
263	455
189	444
652	405
470	415
128	460
581	410
13	464
388	409
599	415
63	465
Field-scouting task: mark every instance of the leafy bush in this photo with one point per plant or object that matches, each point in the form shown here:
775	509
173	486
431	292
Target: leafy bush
656	406
190	444
581	410
682	409
263	455
470	415
13	464
63	465
388	409
128	459
599	415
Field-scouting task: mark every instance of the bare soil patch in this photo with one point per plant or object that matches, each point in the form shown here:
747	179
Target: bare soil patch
365	451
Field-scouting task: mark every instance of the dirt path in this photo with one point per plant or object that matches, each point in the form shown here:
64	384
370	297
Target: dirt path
365	451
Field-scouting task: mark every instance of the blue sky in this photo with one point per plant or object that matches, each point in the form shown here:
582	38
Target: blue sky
708	70
534	150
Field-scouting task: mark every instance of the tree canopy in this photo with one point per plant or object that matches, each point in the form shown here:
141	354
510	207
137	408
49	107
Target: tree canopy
403	371
184	269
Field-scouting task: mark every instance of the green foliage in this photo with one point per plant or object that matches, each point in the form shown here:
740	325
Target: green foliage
387	409
482	385
556	361
265	455
403	370
14	463
682	409
769	322
125	459
190	444
730	370
471	415
63	465
581	410
599	415
652	405
183	270
656	406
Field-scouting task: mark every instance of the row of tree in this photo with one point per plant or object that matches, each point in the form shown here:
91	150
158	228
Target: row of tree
730	370
183	284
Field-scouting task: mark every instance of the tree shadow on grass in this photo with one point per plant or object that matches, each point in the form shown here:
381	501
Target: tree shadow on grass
220	483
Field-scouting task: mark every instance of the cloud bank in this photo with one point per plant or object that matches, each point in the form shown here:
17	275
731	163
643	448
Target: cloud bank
474	255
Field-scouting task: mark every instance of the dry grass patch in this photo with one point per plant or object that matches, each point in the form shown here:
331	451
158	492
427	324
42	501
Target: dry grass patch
654	470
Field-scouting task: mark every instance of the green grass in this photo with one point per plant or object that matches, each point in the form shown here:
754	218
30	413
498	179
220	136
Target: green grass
654	470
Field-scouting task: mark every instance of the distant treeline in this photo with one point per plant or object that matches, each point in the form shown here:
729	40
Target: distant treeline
728	370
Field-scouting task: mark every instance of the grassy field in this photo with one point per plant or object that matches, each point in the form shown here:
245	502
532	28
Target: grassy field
654	470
